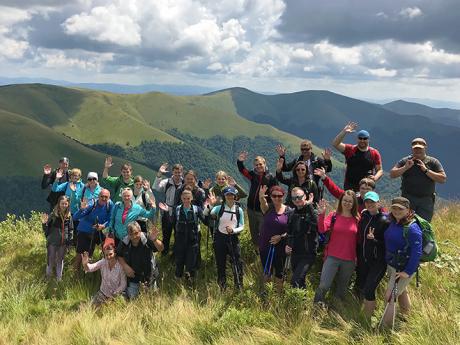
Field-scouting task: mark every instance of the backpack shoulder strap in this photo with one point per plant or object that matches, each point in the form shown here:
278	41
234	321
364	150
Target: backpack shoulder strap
83	193
144	198
195	213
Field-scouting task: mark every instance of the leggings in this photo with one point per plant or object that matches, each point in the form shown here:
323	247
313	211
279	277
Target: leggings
55	256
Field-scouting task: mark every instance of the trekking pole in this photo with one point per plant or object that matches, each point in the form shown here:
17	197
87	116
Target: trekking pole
269	261
236	272
287	264
393	296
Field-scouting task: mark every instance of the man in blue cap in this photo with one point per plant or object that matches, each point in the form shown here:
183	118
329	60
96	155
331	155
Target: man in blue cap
361	159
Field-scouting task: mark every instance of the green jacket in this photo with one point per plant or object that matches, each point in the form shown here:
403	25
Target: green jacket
217	190
116	185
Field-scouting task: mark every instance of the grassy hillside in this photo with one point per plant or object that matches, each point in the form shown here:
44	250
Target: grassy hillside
33	311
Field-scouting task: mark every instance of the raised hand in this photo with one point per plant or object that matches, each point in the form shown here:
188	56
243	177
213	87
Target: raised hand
322	206
231	181
321	172
59	174
146	185
350	127
310	199
47	169
163	206
211	199
207	183
44	217
263	191
153	231
327	153
84	203
108	162
152	202
243	156
281	150
163	168
370	234
279	164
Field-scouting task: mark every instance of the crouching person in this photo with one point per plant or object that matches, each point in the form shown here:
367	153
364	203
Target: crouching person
113	280
135	256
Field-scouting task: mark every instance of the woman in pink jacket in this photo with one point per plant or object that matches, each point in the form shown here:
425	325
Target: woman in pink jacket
340	251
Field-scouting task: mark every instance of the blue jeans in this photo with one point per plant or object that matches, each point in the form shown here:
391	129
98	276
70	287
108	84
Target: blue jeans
132	290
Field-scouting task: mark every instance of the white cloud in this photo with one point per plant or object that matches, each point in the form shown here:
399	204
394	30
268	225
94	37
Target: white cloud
12	48
105	24
382	72
76	60
411	12
338	55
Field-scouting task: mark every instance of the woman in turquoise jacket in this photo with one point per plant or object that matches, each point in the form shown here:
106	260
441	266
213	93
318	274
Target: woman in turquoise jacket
125	212
72	189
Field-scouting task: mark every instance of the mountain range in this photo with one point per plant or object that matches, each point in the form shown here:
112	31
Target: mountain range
42	122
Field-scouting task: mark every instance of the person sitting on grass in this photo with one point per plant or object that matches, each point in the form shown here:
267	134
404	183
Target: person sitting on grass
113	281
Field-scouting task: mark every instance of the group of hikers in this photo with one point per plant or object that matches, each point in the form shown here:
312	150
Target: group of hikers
288	229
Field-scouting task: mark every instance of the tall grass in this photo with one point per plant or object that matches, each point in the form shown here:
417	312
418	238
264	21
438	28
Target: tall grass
35	311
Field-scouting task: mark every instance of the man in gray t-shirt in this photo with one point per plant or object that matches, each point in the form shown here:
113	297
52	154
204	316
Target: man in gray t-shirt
419	174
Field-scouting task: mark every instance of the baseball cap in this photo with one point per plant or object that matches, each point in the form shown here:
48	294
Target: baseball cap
230	190
371	196
418	143
400	202
363	134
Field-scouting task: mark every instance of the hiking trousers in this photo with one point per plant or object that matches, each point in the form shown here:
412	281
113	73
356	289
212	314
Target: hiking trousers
338	269
222	249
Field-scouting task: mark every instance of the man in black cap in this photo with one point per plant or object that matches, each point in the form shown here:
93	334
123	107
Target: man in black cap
49	176
420	173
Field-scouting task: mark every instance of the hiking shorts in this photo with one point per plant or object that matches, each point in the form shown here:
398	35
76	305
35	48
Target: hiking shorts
402	283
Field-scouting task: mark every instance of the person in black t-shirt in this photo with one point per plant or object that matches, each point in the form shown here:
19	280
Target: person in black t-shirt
419	173
135	255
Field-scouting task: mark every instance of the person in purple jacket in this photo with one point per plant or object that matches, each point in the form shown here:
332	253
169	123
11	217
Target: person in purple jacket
403	252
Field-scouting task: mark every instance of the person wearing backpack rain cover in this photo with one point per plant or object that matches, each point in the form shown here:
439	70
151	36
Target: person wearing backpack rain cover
229	219
403	253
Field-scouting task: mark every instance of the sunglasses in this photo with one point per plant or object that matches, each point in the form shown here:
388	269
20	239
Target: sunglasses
305	148
298	197
92	179
361	138
277	195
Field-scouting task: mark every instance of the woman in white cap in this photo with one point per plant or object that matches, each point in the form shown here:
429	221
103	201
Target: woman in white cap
403	245
91	190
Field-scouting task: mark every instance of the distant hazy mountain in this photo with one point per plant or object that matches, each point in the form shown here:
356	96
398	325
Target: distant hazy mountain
440	115
320	115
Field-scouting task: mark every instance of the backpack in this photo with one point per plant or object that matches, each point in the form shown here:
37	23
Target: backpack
195	214
222	211
325	237
429	246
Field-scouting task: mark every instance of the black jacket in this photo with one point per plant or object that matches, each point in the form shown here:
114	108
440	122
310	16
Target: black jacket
316	163
303	232
256	181
372	250
309	186
48	179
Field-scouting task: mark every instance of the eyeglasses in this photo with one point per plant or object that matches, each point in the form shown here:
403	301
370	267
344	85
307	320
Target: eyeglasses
298	197
361	138
277	195
300	169
92	179
305	148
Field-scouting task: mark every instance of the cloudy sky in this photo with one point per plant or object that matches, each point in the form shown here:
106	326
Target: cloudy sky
361	48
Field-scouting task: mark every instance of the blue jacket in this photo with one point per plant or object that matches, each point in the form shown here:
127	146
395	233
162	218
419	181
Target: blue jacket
73	195
87	216
121	229
402	254
89	195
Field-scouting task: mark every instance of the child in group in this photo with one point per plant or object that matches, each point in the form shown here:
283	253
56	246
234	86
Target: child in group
58	229
113	280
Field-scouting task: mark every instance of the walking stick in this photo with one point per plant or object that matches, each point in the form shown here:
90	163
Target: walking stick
287	264
393	296
235	269
269	261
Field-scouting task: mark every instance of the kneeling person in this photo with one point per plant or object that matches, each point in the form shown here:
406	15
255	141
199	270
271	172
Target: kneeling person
135	255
